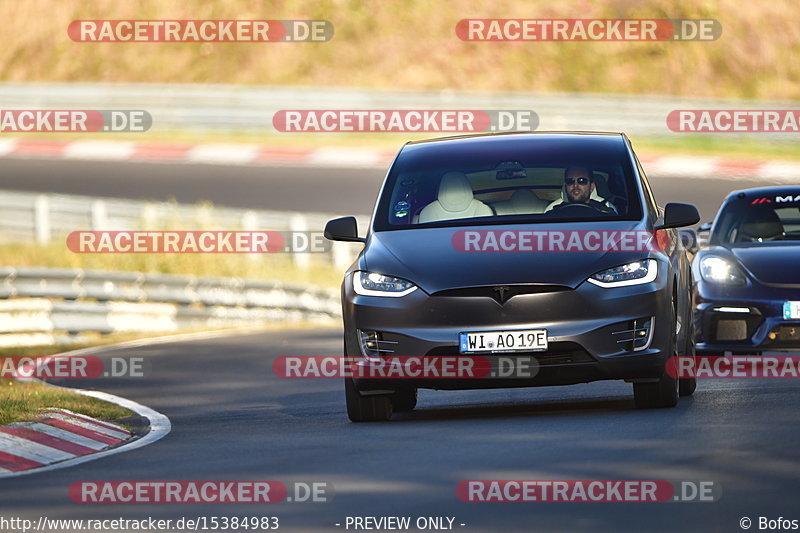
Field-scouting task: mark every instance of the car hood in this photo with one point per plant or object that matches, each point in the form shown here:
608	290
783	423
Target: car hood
771	263
429	258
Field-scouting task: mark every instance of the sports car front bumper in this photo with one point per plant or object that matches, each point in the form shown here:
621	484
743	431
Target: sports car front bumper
585	328
744	319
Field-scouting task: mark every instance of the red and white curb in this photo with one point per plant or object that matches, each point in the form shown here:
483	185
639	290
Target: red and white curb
101	432
260	155
218	154
56	435
59	438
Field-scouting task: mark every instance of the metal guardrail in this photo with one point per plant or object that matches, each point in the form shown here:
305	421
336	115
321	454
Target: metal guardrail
42	218
41	305
238	108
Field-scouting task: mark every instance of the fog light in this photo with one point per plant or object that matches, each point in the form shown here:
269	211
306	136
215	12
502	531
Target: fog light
642	333
731	330
636	335
369	344
732	309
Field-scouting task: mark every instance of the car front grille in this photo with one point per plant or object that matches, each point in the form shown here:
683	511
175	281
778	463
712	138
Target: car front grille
500	293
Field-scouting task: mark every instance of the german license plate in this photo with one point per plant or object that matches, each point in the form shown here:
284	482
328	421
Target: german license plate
524	340
791	310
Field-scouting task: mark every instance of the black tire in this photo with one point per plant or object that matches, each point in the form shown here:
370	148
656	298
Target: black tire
404	400
687	386
374	408
664	392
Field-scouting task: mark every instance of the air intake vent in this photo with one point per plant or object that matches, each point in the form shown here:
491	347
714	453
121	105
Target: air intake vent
373	345
637	336
501	293
731	330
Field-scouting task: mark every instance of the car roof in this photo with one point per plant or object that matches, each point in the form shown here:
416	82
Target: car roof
762	191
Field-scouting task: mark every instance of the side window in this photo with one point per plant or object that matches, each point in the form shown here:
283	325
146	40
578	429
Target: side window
651	200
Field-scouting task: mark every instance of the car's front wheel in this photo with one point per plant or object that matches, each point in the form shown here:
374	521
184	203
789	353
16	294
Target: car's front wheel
687	386
664	392
371	408
404	400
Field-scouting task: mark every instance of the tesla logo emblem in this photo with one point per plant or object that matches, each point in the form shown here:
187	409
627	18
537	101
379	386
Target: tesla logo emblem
501	293
761	201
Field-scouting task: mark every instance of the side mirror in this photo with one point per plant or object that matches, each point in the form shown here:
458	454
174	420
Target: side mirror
343	229
689	240
678	216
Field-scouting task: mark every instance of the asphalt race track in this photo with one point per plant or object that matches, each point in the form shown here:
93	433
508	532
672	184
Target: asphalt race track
253	187
234	420
326	190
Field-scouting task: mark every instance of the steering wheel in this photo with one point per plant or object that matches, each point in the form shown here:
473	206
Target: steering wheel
572	205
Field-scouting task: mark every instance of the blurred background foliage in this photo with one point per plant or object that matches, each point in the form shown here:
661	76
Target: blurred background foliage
412	44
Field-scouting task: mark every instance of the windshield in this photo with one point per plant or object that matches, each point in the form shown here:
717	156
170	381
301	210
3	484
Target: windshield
773	218
507	179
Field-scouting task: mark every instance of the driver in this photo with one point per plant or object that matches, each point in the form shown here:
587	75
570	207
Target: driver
579	188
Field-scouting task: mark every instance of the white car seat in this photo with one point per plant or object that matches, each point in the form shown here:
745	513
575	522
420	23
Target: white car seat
455	200
522	202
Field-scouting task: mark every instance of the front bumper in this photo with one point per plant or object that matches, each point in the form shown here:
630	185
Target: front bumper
744	319
583	326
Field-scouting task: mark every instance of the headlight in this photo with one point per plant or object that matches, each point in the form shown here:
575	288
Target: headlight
634	273
374	284
719	270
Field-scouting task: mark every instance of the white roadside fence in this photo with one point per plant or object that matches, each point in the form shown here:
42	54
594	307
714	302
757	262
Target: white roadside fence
50	305
42	218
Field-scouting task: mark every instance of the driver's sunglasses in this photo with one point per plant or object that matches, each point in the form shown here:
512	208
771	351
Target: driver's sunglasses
581	181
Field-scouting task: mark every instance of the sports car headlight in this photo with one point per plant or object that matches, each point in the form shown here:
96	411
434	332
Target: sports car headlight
374	284
719	270
634	273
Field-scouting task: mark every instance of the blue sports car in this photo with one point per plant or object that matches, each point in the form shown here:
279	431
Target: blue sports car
747	281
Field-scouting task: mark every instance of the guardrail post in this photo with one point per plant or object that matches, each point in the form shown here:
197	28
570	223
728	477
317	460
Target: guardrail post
250	223
298	223
149	217
99	215
341	255
41	219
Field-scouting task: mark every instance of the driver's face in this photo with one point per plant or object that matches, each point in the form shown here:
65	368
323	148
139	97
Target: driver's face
579	186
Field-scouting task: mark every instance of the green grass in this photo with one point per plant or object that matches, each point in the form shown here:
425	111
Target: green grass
20	402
